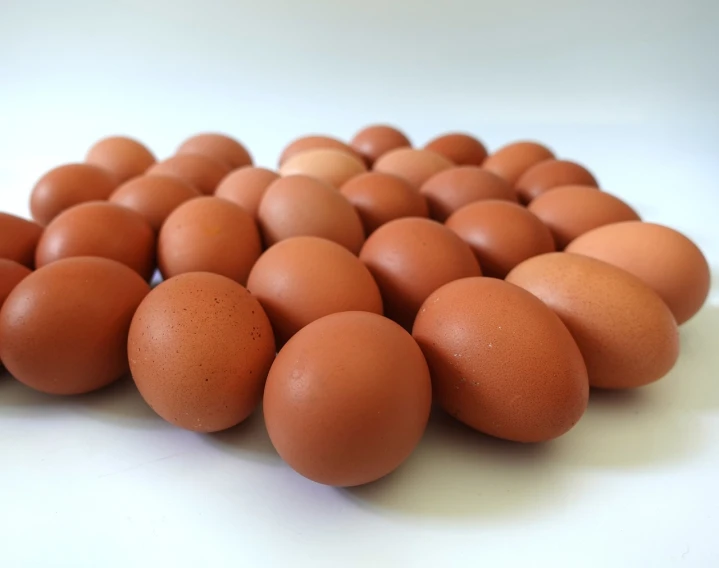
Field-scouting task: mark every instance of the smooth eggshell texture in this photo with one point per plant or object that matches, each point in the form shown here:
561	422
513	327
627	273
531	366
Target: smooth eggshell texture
103	229
246	187
63	329
66	186
348	399
125	157
218	146
314	142
200	348
410	258
663	258
209	234
11	273
202	172
302	279
376	140
627	335
501	361
18	239
550	174
332	166
459	148
512	160
416	166
501	234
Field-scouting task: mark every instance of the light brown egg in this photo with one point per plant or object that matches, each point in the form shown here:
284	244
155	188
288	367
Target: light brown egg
501	234
627	335
348	399
375	141
334	167
220	147
454	188
11	274
416	166
202	172
18	239
459	148
246	187
501	361
664	259
124	157
314	142
200	348
512	160
551	174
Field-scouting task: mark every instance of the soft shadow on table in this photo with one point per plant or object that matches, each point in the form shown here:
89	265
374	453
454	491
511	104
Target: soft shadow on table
247	440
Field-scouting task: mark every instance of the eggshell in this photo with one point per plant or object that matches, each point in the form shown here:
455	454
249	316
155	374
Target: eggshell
200	348
154	197
512	160
220	147
501	361
302	279
332	166
501	234
551	174
124	157
627	335
410	258
11	273
209	234
348	399
300	205
18	239
246	187
314	142
664	259
63	329
380	198
202	172
416	166
459	148
454	188
66	186
374	141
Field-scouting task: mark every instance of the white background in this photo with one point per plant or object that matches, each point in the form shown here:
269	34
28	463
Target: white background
629	88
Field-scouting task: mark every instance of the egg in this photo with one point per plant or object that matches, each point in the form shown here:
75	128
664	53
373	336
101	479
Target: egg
11	273
663	258
380	198
314	142
410	258
572	210
376	140
66	186
63	329
154	197
220	147
209	234
124	157
512	160
501	234
459	148
246	187
416	166
550	174
332	166
300	205
202	172
200	348
501	361
18	239
627	335
454	188
347	399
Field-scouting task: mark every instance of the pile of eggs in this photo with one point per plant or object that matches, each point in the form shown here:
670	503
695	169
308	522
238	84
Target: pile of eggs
347	291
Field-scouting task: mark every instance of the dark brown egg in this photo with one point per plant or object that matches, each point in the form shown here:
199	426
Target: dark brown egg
202	172
550	174
124	157
501	361
314	142
512	160
66	186
11	273
18	239
459	148
200	348
246	187
416	166
220	147
209	234
375	141
334	167
63	329
347	399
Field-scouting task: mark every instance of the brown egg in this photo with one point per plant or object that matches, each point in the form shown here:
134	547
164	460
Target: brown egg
302	279
300	205
246	187
124	157
454	188
11	273
332	166
66	186
219	147
380	198
209	234
314	142
154	197
202	172
664	259
550	174
416	166
99	229
18	239
63	329
459	148
501	234
572	210
200	348
501	361
348	399
512	160
375	141
627	335
410	258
